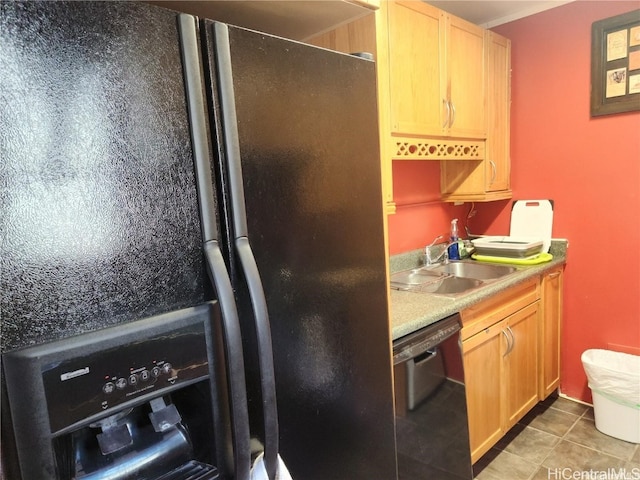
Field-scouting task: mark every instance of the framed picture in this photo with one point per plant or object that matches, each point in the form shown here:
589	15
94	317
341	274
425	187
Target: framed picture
615	64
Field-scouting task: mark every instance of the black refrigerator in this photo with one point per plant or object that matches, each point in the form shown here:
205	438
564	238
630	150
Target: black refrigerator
152	161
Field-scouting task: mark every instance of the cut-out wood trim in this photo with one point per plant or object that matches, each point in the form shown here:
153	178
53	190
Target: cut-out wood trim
437	149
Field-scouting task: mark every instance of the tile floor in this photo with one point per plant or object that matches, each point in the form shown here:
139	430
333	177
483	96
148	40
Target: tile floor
558	440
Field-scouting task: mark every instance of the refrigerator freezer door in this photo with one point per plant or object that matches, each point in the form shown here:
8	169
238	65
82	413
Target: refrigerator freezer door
309	155
99	207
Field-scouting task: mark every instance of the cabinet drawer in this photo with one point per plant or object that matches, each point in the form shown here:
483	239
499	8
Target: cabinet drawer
481	316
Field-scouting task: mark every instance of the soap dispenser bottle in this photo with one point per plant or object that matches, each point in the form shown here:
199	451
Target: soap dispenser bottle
454	253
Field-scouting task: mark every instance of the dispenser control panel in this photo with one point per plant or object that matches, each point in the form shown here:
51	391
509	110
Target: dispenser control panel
89	384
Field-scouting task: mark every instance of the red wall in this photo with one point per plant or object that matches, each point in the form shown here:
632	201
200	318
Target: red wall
589	166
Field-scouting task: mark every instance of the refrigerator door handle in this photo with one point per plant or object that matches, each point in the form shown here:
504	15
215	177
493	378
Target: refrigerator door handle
265	354
234	359
220	42
218	273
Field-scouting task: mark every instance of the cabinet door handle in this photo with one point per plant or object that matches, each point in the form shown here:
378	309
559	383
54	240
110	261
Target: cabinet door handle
453	113
554	274
513	339
448	116
494	171
504	332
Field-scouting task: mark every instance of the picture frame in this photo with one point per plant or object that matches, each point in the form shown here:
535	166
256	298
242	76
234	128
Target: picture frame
615	64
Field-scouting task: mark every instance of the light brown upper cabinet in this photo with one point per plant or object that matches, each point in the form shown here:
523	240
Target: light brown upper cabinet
488	179
443	94
436	72
466	76
416	79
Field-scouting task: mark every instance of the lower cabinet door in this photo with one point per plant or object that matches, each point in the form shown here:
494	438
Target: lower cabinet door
521	364
550	333
483	366
501	376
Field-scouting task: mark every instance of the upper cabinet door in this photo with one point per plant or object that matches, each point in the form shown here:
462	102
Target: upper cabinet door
465	78
417	68
436	72
497	163
463	181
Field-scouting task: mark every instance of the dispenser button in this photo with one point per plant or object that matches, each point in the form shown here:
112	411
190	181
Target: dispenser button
121	383
108	388
133	379
166	368
155	371
145	375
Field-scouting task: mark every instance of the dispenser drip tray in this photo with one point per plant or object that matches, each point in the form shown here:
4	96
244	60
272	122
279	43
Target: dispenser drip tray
192	471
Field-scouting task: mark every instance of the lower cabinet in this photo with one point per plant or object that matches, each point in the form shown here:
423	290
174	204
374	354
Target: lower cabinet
521	364
489	179
500	351
484	369
550	332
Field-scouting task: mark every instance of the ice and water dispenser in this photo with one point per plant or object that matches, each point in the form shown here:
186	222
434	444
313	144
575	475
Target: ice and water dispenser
141	400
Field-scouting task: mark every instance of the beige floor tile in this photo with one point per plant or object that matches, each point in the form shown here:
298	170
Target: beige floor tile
558	440
632	470
508	466
544	474
532	444
550	420
569	406
577	458
585	433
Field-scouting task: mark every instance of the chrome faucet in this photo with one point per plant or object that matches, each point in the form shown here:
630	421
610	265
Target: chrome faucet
430	251
435	240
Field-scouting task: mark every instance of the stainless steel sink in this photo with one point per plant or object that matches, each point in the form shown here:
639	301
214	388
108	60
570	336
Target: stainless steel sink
427	281
414	277
471	269
451	285
450	279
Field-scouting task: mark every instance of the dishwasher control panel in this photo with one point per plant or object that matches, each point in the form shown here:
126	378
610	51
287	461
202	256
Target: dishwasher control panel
429	337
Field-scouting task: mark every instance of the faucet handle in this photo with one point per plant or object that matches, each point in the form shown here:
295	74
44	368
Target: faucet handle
439	237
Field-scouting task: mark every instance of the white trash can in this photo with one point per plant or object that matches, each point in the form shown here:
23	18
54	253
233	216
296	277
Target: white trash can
614	380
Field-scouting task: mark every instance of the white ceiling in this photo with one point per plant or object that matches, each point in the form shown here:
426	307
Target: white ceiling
491	13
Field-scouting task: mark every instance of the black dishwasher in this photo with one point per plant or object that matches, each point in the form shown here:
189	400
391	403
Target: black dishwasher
433	432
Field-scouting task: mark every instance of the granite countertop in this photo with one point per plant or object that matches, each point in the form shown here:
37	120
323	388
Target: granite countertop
411	311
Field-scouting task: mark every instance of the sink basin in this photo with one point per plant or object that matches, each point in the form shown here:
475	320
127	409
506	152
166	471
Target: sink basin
414	278
429	281
470	269
450	279
451	285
